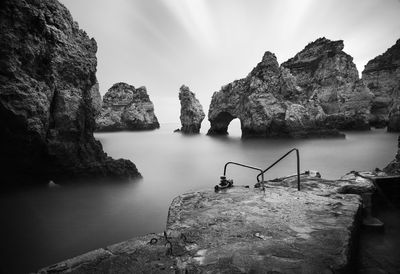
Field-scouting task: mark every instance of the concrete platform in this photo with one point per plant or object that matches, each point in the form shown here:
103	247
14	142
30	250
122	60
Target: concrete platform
241	230
279	231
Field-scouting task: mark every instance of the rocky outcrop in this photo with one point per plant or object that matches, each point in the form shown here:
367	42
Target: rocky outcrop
126	108
394	167
382	76
48	94
394	117
192	113
328	75
315	93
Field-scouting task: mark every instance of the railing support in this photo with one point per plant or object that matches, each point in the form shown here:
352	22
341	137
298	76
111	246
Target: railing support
277	161
247	166
268	168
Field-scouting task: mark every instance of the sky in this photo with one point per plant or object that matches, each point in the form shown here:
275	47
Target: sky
205	44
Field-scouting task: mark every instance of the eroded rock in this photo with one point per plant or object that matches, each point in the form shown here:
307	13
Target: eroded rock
126	108
328	75
382	76
192	113
394	117
350	183
393	168
245	231
49	97
316	93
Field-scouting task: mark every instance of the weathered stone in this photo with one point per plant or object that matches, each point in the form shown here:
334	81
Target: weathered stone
49	97
145	254
382	76
350	183
393	168
283	230
192	113
261	103
313	94
126	108
394	118
328	75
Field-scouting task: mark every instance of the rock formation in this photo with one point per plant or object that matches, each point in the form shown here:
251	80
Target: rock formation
394	166
48	94
192	113
382	76
394	117
328	75
126	108
315	93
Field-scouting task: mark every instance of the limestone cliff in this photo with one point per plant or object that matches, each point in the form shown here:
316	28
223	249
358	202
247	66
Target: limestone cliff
192	113
315	93
328	75
48	95
394	166
394	117
382	76
126	108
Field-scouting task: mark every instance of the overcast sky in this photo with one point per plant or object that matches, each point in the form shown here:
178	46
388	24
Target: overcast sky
205	44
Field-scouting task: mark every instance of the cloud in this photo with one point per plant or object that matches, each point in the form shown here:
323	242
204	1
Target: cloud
195	18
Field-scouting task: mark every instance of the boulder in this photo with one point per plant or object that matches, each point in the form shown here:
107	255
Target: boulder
192	113
393	168
316	93
49	97
126	108
382	76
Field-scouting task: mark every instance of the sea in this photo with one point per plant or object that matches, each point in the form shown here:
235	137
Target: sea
41	226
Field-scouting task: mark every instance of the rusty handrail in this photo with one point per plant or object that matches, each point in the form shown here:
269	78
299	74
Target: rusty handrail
277	161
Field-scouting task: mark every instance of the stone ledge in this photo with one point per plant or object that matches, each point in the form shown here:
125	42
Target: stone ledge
241	230
284	230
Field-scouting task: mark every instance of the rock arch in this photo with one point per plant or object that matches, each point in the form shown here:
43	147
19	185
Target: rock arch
316	93
220	124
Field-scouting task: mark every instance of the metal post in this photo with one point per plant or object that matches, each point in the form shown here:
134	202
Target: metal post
298	169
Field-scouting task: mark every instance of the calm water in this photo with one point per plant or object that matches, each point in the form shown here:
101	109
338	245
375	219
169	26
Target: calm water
41	226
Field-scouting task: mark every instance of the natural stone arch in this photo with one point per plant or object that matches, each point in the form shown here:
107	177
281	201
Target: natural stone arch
220	124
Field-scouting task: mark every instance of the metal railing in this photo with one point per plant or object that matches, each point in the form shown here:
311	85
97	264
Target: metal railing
247	166
277	161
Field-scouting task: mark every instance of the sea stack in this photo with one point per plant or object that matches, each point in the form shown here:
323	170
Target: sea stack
48	95
382	76
315	93
192	113
126	108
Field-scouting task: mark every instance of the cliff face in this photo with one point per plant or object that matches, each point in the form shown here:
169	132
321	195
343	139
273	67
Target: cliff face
126	108
394	166
48	95
192	113
314	93
328	75
267	103
382	76
394	117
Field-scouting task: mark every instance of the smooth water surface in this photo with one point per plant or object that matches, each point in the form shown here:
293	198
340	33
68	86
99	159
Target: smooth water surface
41	226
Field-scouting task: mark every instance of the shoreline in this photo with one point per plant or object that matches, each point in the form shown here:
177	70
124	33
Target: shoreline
189	215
